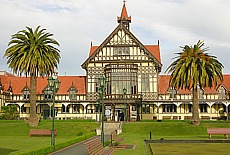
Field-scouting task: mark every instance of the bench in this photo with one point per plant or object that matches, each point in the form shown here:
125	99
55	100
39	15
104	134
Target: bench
95	147
41	132
205	117
167	117
218	131
187	117
115	140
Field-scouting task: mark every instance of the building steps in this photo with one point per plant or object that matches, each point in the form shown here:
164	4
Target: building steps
110	127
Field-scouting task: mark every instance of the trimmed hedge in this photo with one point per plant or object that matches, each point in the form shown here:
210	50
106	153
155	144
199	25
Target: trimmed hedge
48	149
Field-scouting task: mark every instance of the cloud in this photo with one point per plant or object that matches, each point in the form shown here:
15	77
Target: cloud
76	23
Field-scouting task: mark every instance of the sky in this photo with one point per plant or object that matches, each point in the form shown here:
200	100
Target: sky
77	23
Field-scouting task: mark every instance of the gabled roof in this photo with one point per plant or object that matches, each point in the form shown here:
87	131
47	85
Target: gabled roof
18	83
153	50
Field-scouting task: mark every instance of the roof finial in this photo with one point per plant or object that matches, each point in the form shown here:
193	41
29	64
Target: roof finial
124	18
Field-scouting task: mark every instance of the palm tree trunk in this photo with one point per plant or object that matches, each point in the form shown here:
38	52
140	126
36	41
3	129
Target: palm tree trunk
195	112
33	120
33	83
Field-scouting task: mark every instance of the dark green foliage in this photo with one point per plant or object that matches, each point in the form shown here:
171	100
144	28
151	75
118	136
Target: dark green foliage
58	146
194	69
9	112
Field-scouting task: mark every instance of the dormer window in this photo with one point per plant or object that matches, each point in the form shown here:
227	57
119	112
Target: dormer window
222	92
200	93
10	89
26	93
72	92
48	93
172	93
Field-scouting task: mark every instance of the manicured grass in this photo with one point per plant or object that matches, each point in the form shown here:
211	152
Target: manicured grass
190	149
14	134
136	132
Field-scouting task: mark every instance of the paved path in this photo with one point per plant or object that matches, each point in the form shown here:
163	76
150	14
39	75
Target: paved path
76	149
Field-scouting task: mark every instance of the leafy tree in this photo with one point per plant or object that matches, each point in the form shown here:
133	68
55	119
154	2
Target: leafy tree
194	69
33	53
9	111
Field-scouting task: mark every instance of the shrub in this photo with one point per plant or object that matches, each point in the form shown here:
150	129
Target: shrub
48	149
9	112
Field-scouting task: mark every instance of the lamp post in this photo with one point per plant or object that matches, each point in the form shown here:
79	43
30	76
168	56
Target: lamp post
138	107
54	85
124	91
102	81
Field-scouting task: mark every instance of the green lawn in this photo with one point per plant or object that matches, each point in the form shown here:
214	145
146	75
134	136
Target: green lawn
14	134
136	132
191	149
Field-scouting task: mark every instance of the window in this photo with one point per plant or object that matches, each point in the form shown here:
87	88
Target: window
72	92
65	109
145	108
169	108
121	51
48	93
172	93
90	111
203	107
120	77
222	93
145	82
76	108
26	93
134	108
200	93
23	109
189	107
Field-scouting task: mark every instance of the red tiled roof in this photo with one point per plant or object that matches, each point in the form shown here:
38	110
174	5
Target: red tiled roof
124	15
226	82
92	50
163	85
18	83
154	49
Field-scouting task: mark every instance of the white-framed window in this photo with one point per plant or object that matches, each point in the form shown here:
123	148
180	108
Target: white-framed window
172	93
26	93
222	92
145	84
48	93
72	93
121	51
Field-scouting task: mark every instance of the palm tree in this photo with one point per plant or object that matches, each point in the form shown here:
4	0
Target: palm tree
194	69
32	53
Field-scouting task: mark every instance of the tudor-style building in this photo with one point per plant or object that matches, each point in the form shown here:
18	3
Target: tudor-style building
128	65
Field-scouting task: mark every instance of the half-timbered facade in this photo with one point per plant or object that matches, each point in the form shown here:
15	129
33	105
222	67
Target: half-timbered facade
134	87
127	64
